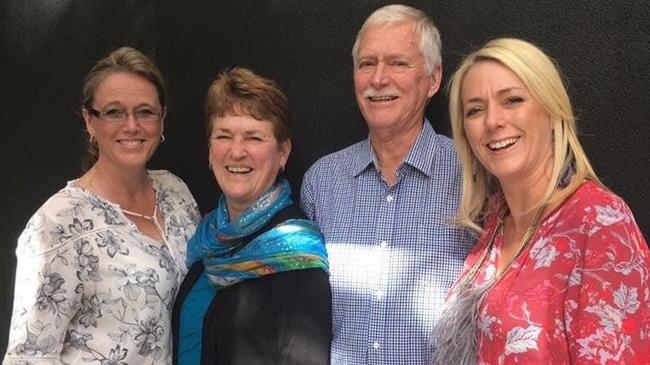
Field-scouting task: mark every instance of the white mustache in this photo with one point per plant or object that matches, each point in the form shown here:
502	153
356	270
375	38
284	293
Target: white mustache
371	92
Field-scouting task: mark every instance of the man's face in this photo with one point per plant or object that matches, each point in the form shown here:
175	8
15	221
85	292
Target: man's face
390	78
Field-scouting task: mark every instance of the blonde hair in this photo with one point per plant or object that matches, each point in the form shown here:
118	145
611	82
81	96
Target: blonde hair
541	77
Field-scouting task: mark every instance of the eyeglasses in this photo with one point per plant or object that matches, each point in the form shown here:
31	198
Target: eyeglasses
115	115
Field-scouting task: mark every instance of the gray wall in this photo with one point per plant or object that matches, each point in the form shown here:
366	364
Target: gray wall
47	46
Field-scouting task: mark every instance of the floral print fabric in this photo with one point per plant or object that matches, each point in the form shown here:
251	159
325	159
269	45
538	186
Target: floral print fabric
91	288
578	294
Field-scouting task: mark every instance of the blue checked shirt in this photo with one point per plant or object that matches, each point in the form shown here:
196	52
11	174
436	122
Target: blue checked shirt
393	250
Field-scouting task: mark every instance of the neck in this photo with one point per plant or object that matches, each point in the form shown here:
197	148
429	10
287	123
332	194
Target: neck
524	196
234	211
124	187
391	146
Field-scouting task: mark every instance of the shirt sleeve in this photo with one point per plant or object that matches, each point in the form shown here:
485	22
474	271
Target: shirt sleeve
307	198
47	292
607	311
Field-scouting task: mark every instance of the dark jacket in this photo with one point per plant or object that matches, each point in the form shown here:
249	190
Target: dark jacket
284	318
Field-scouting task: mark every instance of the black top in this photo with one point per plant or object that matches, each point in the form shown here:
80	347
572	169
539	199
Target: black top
284	318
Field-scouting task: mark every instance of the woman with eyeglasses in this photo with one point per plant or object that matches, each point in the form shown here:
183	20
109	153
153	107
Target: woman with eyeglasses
100	262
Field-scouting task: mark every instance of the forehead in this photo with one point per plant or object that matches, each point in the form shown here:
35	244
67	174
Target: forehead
389	38
125	87
490	75
241	123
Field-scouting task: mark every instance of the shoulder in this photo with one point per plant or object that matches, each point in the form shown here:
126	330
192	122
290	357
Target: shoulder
166	179
445	149
64	216
287	283
598	205
172	191
601	217
445	143
337	161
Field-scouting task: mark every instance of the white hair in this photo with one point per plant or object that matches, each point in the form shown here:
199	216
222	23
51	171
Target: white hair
430	44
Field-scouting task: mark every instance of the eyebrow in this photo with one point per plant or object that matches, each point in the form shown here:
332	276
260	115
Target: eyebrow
249	132
118	104
500	93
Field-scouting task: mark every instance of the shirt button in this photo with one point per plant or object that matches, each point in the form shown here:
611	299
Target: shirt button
389	198
375	345
383	244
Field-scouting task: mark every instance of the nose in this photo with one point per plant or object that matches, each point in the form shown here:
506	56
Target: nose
494	117
380	75
130	123
237	148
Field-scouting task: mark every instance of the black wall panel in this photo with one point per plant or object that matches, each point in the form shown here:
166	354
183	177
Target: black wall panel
46	47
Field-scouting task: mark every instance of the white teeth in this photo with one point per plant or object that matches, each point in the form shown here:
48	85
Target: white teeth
131	143
502	144
239	170
382	98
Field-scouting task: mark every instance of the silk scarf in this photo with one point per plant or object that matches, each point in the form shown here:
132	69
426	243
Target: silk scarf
235	251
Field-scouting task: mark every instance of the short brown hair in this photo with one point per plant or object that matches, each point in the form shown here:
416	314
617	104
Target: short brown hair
240	90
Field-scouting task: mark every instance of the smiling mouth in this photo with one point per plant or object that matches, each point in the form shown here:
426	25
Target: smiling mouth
381	98
499	145
131	143
238	170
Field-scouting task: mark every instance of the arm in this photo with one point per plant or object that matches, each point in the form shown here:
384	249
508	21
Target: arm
46	294
305	319
607	310
307	198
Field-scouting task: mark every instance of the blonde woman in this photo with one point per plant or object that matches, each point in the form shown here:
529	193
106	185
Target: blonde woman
560	272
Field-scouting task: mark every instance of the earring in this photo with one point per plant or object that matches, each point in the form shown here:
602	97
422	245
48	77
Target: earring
209	166
474	167
162	138
91	139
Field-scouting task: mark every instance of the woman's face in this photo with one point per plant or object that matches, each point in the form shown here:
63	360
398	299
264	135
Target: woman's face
129	141
508	130
245	158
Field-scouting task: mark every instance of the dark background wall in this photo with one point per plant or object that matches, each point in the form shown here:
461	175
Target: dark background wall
46	47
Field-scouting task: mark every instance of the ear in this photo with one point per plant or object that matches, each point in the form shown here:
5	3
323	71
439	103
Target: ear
162	120
87	117
285	150
435	80
210	152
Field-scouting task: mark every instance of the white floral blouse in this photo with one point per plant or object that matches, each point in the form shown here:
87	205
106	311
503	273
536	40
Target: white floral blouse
91	288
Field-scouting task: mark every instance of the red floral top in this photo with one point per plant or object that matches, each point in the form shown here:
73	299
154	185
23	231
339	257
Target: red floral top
578	294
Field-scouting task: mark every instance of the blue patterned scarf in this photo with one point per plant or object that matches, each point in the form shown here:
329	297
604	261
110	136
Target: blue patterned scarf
230	257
